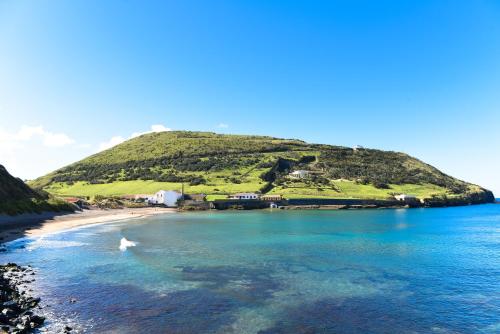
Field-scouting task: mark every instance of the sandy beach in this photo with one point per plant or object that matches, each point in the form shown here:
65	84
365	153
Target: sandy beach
14	227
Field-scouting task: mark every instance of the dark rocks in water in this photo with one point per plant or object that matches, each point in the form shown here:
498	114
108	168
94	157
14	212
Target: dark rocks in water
16	306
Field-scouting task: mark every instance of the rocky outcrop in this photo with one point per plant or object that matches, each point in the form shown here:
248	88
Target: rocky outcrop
481	197
17	307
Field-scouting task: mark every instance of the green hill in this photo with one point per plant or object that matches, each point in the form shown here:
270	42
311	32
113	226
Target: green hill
12	188
218	165
17	197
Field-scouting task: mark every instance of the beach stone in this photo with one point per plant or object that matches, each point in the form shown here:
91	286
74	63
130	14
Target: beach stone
38	320
9	303
25	321
4	320
8	312
16	315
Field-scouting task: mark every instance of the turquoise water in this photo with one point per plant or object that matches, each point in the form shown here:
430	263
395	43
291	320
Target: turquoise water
366	271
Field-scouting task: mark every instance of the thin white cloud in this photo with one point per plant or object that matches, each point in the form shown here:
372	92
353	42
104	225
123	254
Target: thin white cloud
119	139
223	125
27	133
110	143
154	128
159	128
56	140
28	141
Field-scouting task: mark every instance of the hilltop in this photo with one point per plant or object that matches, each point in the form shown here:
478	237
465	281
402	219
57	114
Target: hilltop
219	164
17	197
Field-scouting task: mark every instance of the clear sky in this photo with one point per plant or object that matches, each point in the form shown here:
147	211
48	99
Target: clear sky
421	77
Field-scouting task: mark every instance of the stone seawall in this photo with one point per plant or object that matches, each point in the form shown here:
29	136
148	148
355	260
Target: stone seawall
304	202
347	202
241	204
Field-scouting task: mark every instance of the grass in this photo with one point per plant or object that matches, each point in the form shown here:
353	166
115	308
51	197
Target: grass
216	185
169	143
143	187
35	206
347	189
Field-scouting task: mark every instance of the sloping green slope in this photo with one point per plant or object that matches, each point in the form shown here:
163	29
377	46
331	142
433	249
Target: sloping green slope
12	188
219	164
16	197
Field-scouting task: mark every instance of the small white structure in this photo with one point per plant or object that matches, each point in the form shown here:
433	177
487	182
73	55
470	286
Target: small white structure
145	197
167	197
405	197
358	147
299	174
244	196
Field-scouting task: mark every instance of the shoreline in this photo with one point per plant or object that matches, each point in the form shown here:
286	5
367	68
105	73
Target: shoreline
18	310
33	225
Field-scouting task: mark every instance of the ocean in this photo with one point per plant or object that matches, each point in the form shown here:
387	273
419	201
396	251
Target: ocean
353	271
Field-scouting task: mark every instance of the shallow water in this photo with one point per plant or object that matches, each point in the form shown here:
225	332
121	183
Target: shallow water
366	271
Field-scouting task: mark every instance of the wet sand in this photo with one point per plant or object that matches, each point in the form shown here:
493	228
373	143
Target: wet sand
15	227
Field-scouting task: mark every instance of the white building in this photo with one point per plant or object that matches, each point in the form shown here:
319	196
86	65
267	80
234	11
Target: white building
299	174
405	197
167	197
357	148
244	196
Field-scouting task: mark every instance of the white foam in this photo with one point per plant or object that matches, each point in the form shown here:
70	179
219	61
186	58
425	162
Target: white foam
124	244
47	243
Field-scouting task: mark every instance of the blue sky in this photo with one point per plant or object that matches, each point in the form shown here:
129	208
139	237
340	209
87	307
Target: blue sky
421	77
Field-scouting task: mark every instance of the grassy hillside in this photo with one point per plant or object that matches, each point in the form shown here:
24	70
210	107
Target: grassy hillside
12	188
221	164
16	197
